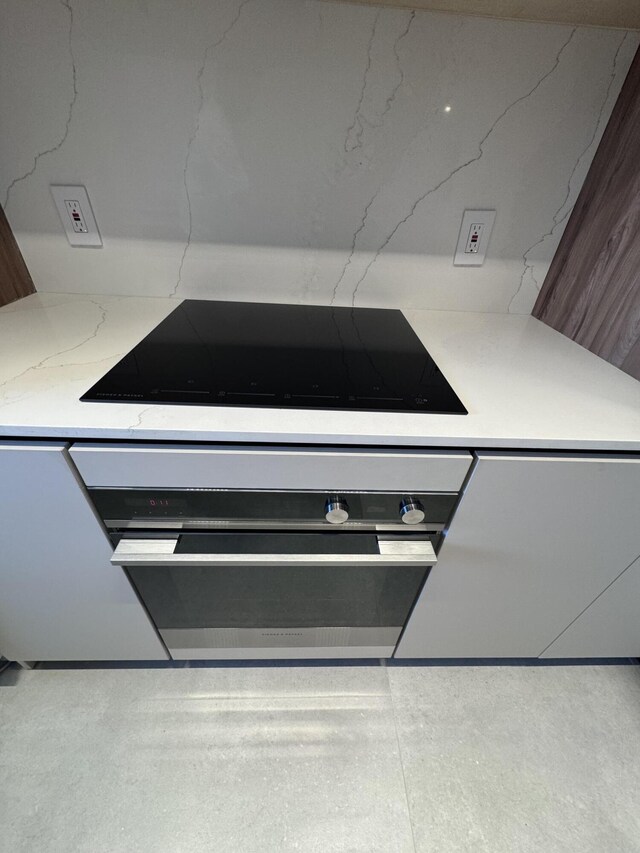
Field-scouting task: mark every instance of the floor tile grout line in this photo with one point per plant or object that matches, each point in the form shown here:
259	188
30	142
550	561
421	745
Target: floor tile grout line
404	778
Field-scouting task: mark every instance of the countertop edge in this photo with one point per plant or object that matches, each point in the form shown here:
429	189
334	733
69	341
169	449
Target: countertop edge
226	437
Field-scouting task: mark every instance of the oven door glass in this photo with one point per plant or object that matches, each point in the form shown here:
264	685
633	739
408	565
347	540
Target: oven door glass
208	593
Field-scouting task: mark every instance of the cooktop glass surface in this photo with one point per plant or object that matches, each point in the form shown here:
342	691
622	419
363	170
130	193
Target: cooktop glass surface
281	356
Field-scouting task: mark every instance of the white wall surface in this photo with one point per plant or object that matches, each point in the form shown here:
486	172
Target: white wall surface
297	150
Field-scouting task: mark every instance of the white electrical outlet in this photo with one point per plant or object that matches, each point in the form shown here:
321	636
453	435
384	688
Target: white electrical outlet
77	219
473	238
77	216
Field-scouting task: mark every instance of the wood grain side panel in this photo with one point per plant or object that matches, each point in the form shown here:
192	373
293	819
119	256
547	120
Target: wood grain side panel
631	364
15	281
592	290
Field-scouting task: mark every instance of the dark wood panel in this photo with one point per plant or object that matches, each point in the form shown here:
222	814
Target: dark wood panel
15	281
592	290
631	364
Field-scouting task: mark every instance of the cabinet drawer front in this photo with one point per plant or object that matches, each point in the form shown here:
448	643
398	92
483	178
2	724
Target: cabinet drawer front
535	539
61	598
231	467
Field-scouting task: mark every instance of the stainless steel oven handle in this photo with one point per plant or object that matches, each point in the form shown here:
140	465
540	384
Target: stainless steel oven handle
160	552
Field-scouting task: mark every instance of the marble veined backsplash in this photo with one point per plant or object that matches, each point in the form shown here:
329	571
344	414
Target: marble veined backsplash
297	150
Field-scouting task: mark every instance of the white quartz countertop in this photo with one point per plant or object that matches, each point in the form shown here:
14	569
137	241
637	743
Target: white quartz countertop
525	385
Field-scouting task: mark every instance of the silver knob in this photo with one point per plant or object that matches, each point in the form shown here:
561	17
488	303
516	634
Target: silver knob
411	511
336	510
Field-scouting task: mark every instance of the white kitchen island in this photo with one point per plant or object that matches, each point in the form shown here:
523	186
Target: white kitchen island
542	557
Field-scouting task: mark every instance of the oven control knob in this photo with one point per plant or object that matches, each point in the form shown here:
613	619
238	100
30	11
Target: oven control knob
411	511
336	510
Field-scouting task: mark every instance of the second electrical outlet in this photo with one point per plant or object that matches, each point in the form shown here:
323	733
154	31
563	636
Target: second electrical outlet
473	238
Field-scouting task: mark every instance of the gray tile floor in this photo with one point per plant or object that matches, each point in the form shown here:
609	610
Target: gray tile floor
250	760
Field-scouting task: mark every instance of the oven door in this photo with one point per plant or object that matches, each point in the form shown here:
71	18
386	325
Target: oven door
277	595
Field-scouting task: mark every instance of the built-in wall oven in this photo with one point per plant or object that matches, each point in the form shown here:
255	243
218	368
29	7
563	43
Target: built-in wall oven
230	573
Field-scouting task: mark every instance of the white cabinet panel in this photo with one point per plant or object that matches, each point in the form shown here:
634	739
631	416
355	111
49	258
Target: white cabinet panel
60	598
535	539
231	467
609	627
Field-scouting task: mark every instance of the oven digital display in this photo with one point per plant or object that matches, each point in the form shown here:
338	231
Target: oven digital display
156	503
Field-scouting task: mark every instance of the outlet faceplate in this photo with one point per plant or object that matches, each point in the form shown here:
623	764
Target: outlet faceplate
473	238
76	215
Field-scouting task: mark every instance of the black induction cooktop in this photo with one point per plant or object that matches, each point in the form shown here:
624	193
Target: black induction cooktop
281	356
